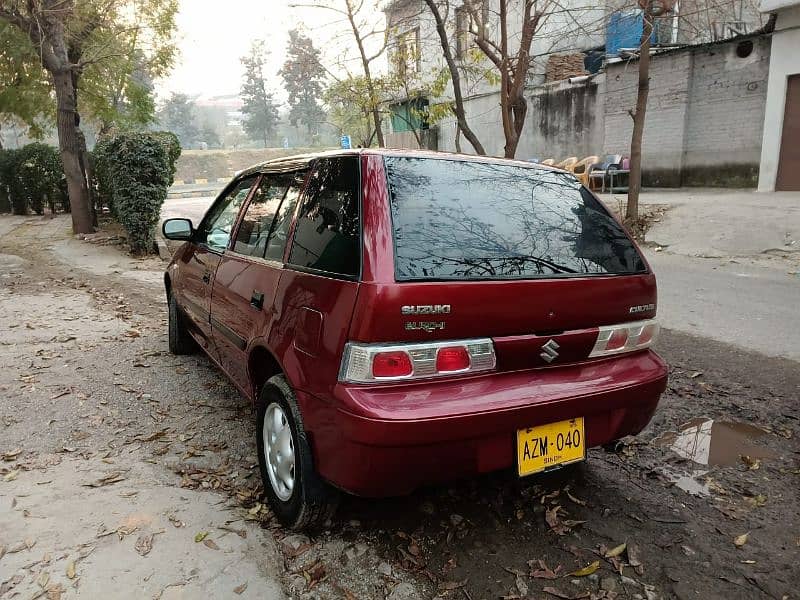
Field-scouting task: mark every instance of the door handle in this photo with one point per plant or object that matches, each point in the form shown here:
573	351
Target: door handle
257	300
207	277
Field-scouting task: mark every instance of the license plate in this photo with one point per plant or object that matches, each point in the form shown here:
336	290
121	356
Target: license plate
545	446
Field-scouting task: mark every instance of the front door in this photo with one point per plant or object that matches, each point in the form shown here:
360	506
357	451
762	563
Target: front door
788	179
242	302
199	266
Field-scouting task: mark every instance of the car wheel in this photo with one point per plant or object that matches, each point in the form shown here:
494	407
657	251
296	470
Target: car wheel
180	342
299	498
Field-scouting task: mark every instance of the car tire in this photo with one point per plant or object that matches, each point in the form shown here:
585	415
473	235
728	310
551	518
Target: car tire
180	341
298	496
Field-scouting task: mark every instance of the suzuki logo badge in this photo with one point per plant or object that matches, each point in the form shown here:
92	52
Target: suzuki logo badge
549	351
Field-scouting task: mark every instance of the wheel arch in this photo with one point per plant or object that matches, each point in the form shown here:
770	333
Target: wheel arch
261	365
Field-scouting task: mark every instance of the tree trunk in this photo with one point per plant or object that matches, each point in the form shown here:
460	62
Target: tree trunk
373	97
70	152
455	79
635	176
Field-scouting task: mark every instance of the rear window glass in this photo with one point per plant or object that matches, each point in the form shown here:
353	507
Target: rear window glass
471	220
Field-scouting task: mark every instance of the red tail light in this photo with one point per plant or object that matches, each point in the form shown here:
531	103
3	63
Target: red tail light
626	337
392	364
617	340
370	363
452	358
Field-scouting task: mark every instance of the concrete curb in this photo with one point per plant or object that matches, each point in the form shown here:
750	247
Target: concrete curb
194	193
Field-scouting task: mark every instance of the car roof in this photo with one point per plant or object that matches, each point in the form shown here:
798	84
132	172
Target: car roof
299	161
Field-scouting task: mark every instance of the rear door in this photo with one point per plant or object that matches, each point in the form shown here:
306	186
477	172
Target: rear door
520	255
242	303
318	288
209	243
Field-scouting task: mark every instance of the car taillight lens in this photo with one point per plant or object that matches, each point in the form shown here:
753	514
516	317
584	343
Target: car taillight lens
364	363
626	337
392	364
452	358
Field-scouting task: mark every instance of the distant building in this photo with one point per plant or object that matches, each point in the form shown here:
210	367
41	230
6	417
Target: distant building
780	147
231	104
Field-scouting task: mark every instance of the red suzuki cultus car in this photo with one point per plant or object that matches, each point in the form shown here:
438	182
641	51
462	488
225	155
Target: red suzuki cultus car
401	318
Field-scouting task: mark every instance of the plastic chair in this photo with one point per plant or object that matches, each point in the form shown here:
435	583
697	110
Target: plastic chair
568	163
581	169
598	172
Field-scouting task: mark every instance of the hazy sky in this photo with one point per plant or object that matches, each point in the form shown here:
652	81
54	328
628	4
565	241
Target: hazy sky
213	36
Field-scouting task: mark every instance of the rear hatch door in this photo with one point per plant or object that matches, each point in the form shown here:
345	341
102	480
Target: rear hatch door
495	250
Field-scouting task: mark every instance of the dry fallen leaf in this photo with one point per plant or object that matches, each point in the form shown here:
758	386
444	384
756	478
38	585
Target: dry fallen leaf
239	589
634	560
559	594
11	476
144	544
210	544
741	540
43	579
616	551
521	585
544	572
752	464
114	477
71	569
587	570
12	454
576	500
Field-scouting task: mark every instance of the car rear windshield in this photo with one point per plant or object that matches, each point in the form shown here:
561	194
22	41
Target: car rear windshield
460	220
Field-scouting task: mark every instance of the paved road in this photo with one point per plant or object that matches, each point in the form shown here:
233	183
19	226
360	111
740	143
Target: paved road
188	208
753	307
756	308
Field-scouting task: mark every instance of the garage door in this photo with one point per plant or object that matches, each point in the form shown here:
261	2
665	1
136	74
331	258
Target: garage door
789	162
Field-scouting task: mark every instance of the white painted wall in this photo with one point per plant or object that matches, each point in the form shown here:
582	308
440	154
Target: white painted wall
785	61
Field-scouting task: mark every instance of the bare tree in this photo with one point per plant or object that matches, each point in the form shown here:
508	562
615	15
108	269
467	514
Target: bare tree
512	64
650	10
455	80
351	11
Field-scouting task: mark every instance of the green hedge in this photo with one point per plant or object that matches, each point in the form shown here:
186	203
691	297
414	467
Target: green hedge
134	172
32	178
7	159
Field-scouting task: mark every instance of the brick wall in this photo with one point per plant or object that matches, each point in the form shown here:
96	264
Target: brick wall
664	131
705	114
726	112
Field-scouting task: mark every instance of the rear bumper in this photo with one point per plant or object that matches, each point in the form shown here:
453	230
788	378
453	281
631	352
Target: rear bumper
388	440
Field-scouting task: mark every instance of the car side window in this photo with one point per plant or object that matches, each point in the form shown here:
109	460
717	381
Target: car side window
283	220
215	230
251	237
327	234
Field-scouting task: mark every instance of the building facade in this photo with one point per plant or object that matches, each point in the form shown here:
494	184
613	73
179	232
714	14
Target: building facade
780	146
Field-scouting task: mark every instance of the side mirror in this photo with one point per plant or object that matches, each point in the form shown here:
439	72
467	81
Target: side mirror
177	229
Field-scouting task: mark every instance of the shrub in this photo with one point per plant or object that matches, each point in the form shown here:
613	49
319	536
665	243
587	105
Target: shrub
134	172
31	178
7	160
39	175
102	180
173	147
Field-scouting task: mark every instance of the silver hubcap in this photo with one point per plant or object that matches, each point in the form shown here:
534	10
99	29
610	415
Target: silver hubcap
279	451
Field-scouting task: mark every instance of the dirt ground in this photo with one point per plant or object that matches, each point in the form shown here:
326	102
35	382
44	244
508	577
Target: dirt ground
128	472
